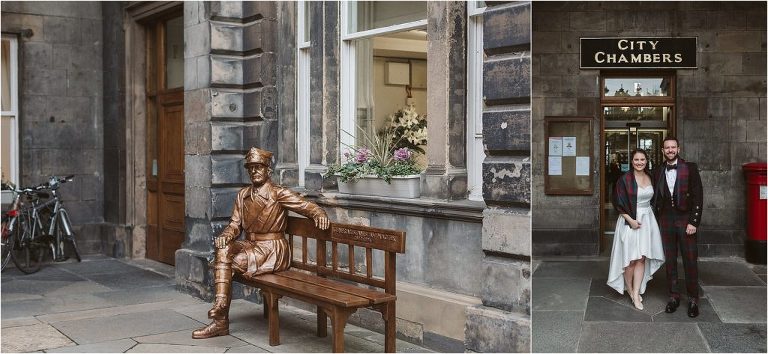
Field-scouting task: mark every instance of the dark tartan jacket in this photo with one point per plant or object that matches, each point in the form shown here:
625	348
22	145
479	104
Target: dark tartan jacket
688	194
625	194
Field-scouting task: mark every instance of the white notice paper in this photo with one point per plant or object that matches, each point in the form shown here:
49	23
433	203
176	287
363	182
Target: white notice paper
555	146
582	165
555	166
569	146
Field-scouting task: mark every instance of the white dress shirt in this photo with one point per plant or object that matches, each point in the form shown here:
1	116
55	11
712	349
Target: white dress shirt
671	178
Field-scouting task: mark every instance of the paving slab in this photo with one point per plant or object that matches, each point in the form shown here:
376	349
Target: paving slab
113	346
727	274
137	278
47	272
185	338
706	313
125	326
32	338
51	287
735	337
556	331
19	297
763	278
247	349
580	269
243	315
112	311
739	304
654	298
601	309
618	337
173	348
98	266
21	321
560	294
139	295
47	305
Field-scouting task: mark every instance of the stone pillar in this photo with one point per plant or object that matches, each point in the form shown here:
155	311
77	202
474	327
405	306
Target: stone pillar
502	323
446	174
230	105
324	93
287	166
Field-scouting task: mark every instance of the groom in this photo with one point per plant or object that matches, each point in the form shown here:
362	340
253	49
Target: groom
678	203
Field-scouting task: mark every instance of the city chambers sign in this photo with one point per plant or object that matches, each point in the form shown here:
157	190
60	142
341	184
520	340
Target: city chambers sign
638	53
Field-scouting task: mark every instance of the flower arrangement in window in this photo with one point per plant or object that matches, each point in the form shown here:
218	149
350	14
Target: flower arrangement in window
408	128
379	156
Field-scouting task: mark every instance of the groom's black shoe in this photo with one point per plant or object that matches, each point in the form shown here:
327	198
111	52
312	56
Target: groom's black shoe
693	309
672	306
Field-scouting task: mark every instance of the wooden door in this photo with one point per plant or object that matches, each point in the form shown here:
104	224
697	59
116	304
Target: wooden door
165	139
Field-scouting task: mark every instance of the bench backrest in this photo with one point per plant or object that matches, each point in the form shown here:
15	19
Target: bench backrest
390	242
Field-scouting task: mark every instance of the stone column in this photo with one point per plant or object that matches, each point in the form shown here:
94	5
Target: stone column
324	93
230	105
446	174
502	322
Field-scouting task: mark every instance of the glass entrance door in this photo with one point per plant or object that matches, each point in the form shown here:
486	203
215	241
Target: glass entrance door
619	143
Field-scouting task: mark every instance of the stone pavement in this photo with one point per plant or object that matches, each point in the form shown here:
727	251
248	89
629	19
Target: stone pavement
109	305
575	311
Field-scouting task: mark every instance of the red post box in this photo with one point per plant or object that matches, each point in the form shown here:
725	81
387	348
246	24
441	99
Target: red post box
757	195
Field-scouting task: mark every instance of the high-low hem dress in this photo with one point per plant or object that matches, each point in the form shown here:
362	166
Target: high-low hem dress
630	244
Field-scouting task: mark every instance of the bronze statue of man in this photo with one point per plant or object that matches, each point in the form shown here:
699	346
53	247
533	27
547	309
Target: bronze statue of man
260	214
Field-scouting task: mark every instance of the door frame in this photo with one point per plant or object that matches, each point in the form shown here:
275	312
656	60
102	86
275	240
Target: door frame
135	112
670	101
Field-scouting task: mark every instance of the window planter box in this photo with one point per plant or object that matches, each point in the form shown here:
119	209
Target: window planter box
400	186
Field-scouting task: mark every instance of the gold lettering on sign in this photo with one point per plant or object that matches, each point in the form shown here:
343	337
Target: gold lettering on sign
364	236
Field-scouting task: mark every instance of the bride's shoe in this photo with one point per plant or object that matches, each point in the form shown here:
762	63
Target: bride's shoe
637	302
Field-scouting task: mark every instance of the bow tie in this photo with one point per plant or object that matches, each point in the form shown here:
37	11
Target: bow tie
671	167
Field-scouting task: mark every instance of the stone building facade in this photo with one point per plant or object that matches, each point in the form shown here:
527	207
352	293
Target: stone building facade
720	110
464	281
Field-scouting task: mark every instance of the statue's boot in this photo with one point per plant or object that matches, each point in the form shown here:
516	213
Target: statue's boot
215	329
222	277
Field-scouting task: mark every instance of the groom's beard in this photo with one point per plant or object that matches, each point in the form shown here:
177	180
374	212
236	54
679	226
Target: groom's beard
672	159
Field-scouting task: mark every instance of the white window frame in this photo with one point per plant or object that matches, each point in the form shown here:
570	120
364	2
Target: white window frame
347	80
13	174
302	91
475	147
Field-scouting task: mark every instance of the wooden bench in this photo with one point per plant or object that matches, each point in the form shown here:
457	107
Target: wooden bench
312	280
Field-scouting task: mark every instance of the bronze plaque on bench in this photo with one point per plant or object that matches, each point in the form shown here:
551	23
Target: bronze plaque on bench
387	240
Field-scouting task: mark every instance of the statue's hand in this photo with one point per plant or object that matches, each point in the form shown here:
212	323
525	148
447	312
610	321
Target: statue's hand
220	241
322	222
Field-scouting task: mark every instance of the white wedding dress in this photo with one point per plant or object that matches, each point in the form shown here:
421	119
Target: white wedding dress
629	244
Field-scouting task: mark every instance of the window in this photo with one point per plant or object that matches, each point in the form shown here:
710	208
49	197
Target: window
302	88
475	57
383	61
10	110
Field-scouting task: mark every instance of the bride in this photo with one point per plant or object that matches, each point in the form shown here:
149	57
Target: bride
637	251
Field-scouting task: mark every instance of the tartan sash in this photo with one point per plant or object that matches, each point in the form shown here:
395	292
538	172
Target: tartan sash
625	195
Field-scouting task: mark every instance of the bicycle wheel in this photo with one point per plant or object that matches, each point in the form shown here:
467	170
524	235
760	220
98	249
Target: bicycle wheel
10	225
27	253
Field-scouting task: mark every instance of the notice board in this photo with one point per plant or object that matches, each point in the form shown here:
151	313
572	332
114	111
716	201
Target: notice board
569	159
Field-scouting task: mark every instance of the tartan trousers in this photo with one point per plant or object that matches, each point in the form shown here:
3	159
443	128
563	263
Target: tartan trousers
672	223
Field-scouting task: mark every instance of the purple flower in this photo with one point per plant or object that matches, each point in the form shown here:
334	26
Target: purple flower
402	154
362	155
347	155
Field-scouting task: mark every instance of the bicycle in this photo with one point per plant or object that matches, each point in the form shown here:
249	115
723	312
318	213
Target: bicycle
41	226
14	226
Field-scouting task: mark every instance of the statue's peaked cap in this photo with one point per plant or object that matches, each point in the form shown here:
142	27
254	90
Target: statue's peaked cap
256	155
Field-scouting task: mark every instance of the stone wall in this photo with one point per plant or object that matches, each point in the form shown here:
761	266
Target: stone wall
721	108
61	117
230	104
502	323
